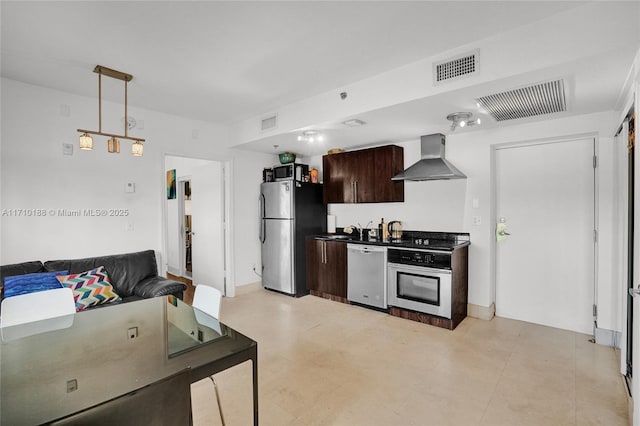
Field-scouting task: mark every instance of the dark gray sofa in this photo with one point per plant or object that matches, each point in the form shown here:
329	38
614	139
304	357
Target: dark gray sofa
134	276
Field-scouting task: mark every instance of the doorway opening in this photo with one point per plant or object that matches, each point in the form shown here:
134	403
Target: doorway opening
197	222
628	224
186	227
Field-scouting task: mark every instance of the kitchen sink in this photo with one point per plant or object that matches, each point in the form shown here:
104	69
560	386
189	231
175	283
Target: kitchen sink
339	237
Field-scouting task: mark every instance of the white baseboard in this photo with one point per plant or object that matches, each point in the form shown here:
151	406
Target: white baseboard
608	337
248	288
481	312
174	271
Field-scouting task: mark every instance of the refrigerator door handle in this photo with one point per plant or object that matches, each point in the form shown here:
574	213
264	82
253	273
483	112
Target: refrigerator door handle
261	206
261	203
262	231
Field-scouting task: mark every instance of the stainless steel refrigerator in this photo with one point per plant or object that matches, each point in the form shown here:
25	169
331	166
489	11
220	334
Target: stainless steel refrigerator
289	212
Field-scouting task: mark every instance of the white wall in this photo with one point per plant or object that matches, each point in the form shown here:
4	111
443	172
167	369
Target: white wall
35	175
447	205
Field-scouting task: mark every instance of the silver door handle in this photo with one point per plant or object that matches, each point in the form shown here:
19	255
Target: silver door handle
356	185
503	233
325	252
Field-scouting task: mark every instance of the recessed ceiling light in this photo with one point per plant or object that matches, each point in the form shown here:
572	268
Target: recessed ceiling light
354	122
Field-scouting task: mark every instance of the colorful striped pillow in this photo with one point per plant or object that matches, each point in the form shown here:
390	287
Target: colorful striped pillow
90	288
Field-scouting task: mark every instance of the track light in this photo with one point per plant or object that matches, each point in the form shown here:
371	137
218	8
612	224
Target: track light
311	136
462	119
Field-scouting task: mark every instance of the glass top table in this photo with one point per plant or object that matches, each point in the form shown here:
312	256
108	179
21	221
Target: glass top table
50	369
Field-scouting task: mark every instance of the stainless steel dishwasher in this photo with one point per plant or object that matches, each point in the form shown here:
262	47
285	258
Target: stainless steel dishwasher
367	275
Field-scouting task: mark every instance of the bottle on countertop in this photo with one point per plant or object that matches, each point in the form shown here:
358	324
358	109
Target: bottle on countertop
385	231
381	230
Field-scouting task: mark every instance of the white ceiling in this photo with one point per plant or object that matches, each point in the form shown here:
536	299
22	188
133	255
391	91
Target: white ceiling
228	61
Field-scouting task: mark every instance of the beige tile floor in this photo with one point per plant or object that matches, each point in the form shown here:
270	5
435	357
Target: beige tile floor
327	363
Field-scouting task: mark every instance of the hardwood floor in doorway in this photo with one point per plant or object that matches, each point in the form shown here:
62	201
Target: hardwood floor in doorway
188	294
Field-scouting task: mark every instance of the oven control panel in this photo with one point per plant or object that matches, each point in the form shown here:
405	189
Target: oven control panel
420	258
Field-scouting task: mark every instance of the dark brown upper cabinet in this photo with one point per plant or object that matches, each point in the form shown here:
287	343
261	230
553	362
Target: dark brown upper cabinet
364	176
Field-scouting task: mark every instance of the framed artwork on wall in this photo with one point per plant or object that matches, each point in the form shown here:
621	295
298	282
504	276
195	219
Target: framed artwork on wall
171	184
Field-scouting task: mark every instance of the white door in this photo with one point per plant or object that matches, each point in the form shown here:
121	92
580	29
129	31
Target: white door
545	268
207	216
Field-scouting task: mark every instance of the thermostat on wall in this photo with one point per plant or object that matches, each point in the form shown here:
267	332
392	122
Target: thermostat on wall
129	187
67	149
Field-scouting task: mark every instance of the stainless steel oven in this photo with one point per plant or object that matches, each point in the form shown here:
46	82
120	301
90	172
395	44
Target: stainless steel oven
420	280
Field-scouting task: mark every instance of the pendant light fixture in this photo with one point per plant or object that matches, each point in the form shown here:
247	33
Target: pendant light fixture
113	144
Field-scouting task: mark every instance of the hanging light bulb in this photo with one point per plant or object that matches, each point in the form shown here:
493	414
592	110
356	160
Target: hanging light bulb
86	142
137	149
113	145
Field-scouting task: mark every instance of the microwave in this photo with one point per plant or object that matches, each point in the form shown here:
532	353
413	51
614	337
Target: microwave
293	171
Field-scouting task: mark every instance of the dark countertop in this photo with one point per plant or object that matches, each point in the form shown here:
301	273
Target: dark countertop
436	240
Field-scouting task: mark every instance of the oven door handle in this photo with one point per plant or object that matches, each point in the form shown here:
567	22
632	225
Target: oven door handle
414	268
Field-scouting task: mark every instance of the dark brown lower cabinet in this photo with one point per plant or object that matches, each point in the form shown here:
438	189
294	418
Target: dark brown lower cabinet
327	269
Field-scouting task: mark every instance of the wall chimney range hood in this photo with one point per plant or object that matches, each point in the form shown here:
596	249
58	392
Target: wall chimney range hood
432	165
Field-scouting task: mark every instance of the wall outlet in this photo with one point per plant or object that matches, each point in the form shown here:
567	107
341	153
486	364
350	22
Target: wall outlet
132	333
477	220
130	187
72	385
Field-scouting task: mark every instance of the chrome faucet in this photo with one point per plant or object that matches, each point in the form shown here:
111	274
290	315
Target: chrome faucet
362	228
358	228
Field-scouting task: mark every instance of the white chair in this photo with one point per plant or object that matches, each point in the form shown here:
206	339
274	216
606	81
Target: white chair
29	310
207	299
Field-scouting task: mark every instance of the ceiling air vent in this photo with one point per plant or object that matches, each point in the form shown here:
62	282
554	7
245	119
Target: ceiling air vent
542	98
269	122
459	66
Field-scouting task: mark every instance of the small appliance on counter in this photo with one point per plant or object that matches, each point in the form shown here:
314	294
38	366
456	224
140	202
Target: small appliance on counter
292	171
267	174
395	230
